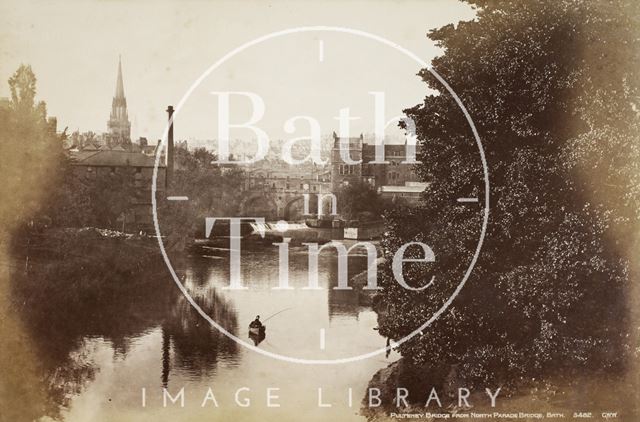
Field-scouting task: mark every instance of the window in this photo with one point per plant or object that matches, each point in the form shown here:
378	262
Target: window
138	169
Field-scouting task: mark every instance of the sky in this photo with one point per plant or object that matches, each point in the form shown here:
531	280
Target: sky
73	47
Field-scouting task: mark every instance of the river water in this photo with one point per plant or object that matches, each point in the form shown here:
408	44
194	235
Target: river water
101	355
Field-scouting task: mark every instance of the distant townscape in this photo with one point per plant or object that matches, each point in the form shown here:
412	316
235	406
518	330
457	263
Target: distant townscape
271	187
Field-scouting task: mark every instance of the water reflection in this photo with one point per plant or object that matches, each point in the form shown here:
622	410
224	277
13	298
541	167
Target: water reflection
112	334
258	337
196	346
67	314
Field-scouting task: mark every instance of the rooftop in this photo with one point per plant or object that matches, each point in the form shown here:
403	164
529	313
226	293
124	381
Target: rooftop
112	158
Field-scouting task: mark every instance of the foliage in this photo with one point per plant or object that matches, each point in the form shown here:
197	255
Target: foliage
98	201
30	151
553	91
360	200
213	191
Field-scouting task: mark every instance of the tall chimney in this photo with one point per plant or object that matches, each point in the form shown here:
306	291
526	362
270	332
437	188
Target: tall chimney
169	176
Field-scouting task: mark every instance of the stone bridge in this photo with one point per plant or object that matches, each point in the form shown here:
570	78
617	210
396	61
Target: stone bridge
282	198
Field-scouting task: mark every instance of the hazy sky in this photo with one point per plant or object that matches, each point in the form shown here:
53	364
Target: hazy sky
73	48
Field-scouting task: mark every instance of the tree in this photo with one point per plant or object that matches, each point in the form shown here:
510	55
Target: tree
213	191
552	87
30	152
23	90
360	200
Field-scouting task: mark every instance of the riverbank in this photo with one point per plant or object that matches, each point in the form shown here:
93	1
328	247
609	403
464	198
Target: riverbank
79	268
88	247
436	393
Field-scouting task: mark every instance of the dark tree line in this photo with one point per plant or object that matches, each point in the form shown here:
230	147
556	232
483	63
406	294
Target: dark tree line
553	88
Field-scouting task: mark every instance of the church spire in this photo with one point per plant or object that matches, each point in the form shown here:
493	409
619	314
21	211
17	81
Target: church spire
118	125
119	83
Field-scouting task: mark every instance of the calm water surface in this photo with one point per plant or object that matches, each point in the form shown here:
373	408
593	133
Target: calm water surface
100	358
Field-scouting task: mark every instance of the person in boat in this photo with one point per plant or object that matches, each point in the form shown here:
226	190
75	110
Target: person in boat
256	323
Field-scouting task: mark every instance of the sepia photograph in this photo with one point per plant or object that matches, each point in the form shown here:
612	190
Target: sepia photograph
319	210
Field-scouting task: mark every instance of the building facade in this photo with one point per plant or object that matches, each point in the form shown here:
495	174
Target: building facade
395	172
342	172
92	163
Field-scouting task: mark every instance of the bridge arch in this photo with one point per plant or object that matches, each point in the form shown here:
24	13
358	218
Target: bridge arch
294	209
259	206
